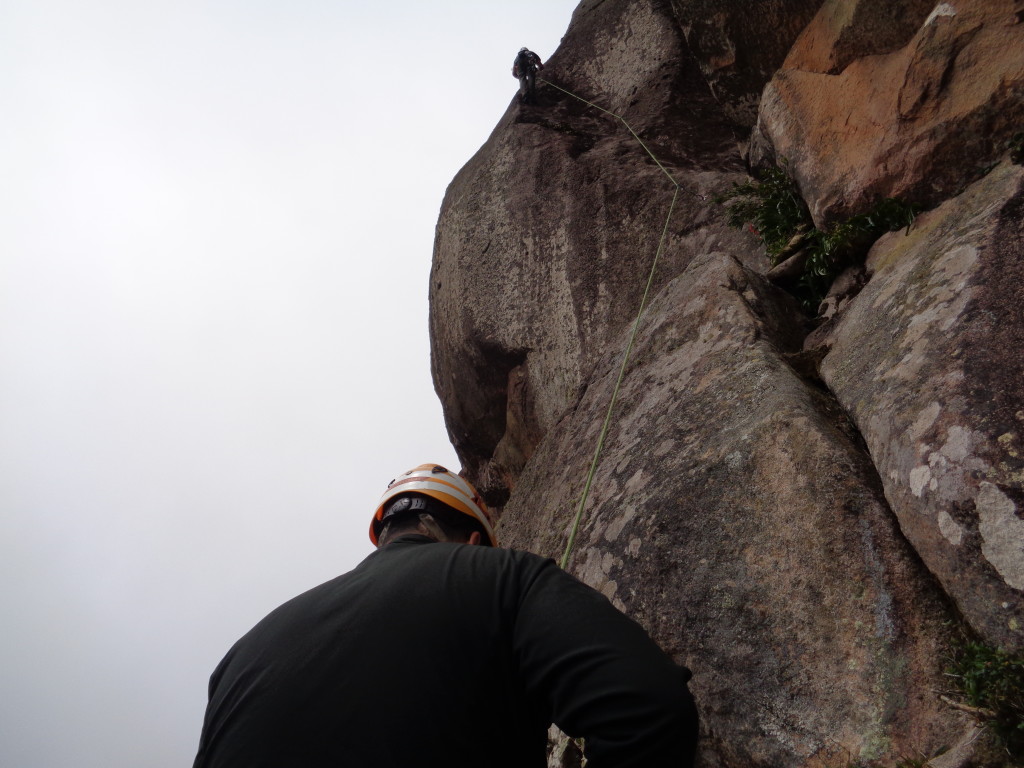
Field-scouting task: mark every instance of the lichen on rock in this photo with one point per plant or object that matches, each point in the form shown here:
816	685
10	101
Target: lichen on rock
805	511
913	361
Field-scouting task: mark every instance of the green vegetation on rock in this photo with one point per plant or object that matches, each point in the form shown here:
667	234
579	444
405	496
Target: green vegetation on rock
772	209
771	206
992	683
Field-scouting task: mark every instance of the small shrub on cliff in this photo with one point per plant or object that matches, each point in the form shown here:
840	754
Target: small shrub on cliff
992	683
848	242
774	211
772	207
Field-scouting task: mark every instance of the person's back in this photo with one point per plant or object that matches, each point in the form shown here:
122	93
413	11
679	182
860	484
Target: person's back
525	67
524	60
433	653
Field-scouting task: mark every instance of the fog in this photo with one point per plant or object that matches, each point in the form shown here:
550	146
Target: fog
216	222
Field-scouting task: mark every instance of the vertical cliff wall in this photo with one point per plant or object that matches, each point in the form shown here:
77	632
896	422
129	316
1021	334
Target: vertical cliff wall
804	511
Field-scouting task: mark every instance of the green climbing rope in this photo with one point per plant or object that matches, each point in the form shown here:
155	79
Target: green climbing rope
636	325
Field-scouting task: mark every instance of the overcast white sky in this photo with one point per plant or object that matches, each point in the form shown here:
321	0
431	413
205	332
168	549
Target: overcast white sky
216	222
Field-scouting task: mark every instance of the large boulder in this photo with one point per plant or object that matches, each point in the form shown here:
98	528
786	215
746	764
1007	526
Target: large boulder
734	516
547	234
919	122
927	360
736	511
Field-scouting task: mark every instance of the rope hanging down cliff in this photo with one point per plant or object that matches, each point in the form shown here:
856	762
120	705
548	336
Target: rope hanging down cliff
636	324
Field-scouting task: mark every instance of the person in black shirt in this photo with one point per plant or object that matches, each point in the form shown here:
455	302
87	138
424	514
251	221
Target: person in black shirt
440	649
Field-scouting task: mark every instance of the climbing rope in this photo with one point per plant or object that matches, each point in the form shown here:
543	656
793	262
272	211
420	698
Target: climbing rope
621	119
636	324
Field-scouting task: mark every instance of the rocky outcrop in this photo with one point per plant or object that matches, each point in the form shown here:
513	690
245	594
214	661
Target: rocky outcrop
542	233
928	362
755	545
850	30
912	118
804	520
735	56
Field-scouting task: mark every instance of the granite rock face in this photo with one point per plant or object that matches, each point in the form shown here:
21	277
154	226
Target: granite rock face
542	233
928	360
852	29
914	121
736	57
805	511
735	517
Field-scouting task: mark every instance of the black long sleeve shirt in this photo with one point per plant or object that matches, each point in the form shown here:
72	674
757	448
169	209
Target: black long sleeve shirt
446	654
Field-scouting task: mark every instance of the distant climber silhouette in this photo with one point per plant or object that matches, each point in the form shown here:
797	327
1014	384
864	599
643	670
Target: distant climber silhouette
526	67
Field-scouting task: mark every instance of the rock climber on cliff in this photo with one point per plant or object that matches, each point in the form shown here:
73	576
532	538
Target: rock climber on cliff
442	649
525	67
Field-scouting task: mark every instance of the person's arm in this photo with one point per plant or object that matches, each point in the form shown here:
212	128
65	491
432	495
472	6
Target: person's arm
604	679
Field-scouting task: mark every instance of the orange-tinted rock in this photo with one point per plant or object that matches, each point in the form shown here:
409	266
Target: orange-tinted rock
735	511
917	123
846	30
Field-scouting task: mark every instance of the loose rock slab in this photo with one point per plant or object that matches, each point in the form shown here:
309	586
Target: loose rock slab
748	533
929	361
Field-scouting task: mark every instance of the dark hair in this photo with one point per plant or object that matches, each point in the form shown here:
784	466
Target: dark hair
455	525
458	525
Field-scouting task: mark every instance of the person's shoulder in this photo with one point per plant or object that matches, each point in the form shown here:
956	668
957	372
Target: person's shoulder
497	556
512	554
490	563
516	564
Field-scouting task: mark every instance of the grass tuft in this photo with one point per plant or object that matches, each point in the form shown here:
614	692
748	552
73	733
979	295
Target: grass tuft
992	683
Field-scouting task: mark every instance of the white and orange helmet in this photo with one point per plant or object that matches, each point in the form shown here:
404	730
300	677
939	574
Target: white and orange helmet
436	482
